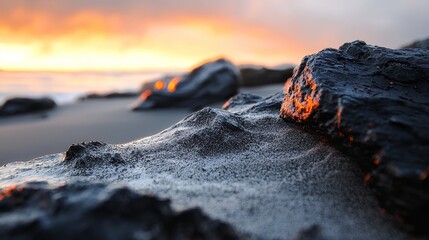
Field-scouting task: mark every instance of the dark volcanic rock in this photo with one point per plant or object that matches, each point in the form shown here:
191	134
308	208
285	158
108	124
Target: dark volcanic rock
16	106
112	95
423	44
373	102
211	82
77	210
158	83
242	99
85	156
254	104
257	76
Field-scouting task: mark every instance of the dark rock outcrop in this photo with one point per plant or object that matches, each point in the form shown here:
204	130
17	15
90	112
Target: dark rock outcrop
374	103
158	83
111	95
423	44
85	156
211	82
257	76
17	106
79	210
254	104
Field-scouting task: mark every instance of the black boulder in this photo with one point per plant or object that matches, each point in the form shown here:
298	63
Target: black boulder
211	82
16	106
372	102
258	76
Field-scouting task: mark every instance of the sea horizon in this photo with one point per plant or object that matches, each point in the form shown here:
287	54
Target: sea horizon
66	87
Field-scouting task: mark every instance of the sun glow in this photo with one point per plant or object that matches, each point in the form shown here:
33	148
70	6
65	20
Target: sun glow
89	40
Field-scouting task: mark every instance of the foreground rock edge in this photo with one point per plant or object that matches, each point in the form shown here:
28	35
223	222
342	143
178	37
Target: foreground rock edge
37	210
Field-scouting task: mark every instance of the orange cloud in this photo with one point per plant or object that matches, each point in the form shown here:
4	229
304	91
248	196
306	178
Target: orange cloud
167	34
89	40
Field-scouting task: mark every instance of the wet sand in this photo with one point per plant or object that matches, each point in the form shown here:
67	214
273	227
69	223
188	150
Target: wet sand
110	120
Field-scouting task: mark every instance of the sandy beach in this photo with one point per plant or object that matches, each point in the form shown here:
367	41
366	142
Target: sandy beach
110	120
246	166
214	120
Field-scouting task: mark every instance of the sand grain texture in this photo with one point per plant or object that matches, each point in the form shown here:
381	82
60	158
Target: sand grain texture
244	165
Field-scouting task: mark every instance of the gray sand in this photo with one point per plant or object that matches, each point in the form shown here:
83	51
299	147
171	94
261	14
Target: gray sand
26	137
266	177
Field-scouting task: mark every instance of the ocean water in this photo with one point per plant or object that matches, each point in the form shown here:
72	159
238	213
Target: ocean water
67	87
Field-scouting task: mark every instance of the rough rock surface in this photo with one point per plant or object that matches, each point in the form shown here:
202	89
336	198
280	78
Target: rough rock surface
257	76
374	103
211	82
16	106
37	210
267	178
423	44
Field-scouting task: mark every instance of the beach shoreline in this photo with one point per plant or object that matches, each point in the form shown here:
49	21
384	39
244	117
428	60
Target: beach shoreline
26	137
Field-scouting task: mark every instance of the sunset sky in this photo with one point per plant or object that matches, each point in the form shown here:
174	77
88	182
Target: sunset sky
133	35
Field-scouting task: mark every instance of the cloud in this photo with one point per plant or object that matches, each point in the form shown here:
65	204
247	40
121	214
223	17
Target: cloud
269	31
378	21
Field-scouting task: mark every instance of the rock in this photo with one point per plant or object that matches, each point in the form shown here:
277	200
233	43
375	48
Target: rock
423	44
267	178
111	95
16	106
211	82
37	210
258	75
251	103
159	83
85	156
242	99
372	102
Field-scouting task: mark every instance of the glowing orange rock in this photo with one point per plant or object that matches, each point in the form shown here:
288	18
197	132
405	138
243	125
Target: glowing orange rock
8	191
302	98
145	94
172	84
210	82
159	85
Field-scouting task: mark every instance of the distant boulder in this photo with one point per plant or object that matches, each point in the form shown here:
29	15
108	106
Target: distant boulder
158	83
211	82
16	106
423	44
111	95
259	75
